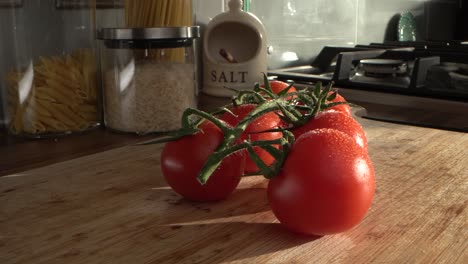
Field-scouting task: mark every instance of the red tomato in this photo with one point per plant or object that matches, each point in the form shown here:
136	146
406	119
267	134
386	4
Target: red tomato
336	120
345	108
326	184
278	86
182	160
263	123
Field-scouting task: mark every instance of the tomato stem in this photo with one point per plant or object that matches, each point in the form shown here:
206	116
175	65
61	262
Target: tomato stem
215	159
186	123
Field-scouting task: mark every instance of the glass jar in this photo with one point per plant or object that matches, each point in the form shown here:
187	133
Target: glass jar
149	77
49	77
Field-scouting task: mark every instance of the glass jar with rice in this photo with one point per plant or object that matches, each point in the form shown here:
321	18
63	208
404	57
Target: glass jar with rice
149	77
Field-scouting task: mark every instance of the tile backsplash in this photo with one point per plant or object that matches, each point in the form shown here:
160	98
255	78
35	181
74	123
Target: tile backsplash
298	29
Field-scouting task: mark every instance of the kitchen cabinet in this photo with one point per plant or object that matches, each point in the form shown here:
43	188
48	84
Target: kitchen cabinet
114	207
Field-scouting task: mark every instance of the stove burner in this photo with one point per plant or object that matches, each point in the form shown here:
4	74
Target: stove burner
382	68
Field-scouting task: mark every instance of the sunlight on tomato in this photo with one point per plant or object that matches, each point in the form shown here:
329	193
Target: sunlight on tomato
326	184
345	108
336	120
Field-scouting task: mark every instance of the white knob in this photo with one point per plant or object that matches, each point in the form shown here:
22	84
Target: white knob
235	5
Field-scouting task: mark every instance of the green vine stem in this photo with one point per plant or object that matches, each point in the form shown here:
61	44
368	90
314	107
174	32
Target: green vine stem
232	135
186	121
215	159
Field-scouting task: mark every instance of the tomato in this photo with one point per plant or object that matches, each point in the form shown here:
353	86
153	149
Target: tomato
182	160
345	108
278	86
265	122
326	184
336	120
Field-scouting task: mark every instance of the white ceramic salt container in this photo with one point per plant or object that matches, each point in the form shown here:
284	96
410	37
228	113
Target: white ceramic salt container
234	51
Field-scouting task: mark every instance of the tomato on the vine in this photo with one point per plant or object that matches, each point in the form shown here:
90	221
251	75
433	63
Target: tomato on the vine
182	160
345	108
278	86
265	122
254	132
336	120
326	184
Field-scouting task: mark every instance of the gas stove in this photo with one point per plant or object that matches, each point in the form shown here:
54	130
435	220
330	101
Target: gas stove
433	76
429	69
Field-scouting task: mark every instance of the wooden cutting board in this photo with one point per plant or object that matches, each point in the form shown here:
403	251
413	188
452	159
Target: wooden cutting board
114	207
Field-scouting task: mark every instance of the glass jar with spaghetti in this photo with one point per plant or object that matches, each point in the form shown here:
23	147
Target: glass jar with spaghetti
149	77
49	68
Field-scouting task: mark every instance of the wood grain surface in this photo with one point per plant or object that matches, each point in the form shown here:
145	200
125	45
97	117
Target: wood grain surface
19	154
114	207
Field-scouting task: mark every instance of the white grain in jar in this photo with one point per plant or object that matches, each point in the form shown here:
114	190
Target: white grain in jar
152	99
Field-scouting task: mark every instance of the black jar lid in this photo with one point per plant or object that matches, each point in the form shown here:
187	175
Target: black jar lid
160	37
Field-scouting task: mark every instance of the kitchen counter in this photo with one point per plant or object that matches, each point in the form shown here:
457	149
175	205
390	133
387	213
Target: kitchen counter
114	207
22	153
